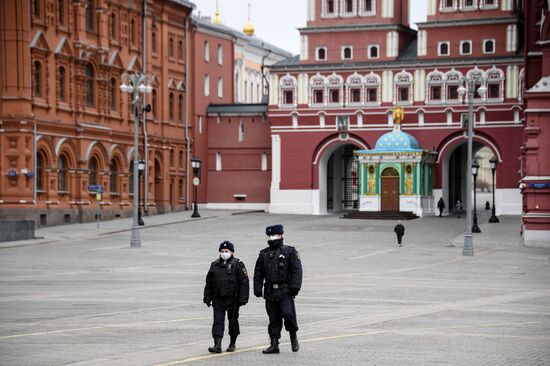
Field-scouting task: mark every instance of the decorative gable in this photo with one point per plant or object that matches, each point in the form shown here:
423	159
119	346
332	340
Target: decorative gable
63	49
39	42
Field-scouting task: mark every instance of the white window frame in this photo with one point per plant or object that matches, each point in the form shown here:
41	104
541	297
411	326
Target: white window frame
367	13
348	14
314	87
207	51
464	7
220	54
377	51
397	84
285	86
494	46
462	43
206	85
324	9
342	52
220	87
372	81
317	54
446	9
484	6
439	44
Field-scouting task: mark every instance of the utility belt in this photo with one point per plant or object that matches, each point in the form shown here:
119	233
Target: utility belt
277	285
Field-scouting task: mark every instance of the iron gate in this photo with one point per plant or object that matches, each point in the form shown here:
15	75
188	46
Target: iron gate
350	180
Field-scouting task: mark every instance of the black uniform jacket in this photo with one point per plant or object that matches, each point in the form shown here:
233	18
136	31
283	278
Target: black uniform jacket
277	270
227	280
399	229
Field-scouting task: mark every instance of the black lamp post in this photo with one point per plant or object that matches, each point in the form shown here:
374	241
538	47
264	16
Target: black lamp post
493	163
141	168
196	165
475	170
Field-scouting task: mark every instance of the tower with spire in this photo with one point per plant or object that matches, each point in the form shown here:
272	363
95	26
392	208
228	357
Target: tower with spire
217	19
249	27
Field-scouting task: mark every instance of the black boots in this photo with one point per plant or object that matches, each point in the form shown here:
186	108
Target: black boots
231	347
217	348
274	348
294	342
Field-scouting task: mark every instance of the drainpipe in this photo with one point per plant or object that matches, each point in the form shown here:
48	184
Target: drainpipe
187	140
144	115
34	166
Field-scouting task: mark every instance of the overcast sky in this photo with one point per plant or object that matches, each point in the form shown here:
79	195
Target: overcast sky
276	21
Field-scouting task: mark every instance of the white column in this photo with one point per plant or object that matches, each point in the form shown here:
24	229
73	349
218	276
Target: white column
275	161
419	85
274	92
387	86
420	118
432	7
359	119
304	49
302	88
512	76
311	10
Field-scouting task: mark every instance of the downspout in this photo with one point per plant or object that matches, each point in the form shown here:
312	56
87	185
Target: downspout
144	115
34	166
266	86
187	140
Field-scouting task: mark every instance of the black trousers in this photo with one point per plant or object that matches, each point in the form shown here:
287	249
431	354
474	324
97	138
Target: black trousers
399	238
220	309
277	311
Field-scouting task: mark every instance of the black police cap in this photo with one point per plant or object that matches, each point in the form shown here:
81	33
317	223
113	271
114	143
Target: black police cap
227	245
274	229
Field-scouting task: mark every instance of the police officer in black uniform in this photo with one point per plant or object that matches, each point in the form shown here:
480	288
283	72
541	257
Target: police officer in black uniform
279	272
226	290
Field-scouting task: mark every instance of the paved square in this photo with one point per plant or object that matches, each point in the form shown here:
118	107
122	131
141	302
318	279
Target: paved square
84	297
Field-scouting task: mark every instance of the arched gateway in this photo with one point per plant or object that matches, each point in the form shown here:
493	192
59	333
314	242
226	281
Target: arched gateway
397	175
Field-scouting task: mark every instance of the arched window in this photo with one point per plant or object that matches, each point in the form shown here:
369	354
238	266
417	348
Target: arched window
113	26
220	87
317	87
403	88
113	177
434	86
181	159
444	49
452	80
220	54
489	46
62	174
347	55
37	5
495	84
113	91
90	81
180	108
330	6
180	189
154	103
206	51
466	48
321	54
37	76
61	12
171	106
354	84
367	6
39	172
335	89
180	49
133	32
154	42
349	6
373	51
90	17
171	47
207	85
62	83
372	89
93	173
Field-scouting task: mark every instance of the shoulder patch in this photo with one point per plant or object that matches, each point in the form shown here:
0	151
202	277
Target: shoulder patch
244	271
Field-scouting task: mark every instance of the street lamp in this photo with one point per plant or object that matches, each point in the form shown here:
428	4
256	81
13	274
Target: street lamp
493	163
196	165
135	84
141	168
470	83
475	170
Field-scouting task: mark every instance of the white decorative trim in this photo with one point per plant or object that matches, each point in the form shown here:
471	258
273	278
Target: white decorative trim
327	143
460	137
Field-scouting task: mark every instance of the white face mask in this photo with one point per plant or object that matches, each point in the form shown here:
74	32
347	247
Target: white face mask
273	237
225	255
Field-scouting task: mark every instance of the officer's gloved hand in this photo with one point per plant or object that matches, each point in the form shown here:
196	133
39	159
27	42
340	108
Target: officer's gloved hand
258	293
208	302
294	291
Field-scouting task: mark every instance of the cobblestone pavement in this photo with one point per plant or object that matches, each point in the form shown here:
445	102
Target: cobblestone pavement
84	297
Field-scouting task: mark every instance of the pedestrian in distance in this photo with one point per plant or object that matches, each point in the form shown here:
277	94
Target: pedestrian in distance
441	206
278	277
459	208
487	205
399	231
226	289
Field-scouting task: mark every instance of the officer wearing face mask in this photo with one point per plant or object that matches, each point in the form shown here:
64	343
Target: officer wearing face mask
278	273
226	290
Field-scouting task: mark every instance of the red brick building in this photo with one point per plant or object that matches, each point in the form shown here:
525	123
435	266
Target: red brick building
535	174
359	61
61	66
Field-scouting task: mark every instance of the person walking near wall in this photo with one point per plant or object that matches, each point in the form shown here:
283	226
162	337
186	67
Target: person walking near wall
399	231
441	206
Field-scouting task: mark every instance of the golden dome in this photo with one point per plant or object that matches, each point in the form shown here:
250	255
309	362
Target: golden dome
248	27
